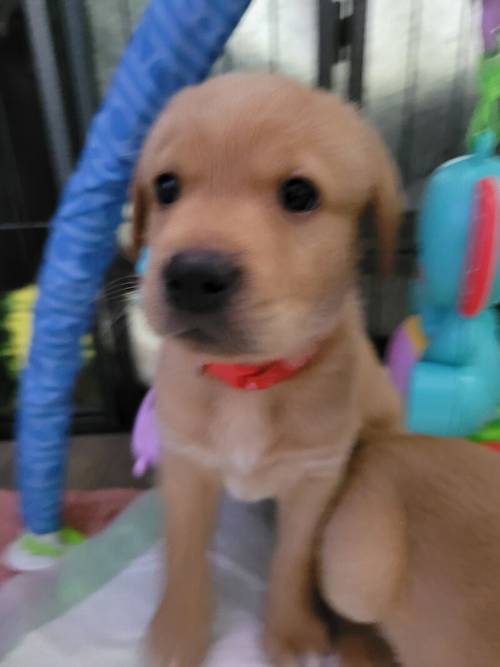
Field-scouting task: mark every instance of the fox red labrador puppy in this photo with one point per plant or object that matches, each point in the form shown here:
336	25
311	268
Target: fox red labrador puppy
249	192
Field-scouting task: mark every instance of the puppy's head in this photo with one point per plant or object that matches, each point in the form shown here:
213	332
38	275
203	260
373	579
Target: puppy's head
248	191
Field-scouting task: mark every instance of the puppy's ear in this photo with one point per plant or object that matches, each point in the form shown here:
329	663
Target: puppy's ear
385	199
138	216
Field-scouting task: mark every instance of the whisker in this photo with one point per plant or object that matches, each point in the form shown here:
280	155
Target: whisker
123	280
111	323
118	290
127	276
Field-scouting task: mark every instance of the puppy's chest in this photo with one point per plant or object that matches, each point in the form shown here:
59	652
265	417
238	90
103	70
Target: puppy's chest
258	442
240	433
259	446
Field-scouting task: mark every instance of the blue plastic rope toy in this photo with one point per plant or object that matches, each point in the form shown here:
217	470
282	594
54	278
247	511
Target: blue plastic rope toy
175	44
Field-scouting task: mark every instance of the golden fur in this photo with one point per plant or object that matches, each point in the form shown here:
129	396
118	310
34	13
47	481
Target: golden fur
232	141
413	544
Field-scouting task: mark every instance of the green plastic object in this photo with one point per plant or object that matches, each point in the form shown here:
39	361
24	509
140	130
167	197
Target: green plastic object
489	433
68	537
486	115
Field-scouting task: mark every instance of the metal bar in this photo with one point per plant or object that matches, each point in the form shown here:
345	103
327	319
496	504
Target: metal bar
342	36
10	226
328	21
49	86
274	35
125	20
9	166
458	91
405	148
10	172
6	9
357	50
77	40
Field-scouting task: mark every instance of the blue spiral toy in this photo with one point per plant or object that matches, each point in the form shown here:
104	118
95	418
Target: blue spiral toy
175	45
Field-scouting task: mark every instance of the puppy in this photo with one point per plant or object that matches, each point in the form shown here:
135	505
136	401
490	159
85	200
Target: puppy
413	544
248	192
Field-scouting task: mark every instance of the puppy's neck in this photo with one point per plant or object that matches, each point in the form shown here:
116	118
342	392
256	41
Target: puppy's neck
324	349
249	377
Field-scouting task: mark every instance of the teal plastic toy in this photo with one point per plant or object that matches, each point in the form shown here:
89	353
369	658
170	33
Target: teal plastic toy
454	389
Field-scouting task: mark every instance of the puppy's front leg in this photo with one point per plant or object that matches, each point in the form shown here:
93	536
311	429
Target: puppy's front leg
292	629
180	630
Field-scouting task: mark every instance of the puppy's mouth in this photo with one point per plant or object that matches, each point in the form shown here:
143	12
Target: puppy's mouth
212	336
198	335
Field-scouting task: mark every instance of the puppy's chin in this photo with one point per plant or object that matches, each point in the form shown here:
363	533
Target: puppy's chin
206	341
289	332
254	338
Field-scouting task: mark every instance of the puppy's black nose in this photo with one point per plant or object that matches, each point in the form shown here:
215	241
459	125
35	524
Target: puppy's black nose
201	281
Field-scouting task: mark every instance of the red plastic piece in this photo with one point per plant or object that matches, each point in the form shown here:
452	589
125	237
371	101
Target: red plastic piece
484	249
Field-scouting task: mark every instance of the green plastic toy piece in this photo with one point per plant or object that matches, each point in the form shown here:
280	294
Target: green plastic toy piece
489	433
68	537
486	115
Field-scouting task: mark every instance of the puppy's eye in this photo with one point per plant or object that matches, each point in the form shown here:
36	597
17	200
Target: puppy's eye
167	188
299	195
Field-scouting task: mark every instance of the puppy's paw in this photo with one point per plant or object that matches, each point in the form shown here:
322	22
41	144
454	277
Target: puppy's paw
297	640
176	639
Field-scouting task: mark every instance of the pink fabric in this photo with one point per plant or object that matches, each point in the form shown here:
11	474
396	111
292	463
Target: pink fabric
86	511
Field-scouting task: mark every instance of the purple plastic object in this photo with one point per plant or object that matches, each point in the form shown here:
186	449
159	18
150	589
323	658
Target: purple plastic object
491	24
146	443
400	359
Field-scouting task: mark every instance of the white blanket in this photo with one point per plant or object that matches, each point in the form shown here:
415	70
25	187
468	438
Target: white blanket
93	607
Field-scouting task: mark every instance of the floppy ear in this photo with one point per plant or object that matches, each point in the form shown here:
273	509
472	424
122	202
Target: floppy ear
483	248
386	199
138	217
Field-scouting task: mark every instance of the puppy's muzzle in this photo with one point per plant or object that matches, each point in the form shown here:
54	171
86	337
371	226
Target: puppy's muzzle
201	282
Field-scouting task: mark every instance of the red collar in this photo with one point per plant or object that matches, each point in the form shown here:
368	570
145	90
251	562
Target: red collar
257	376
